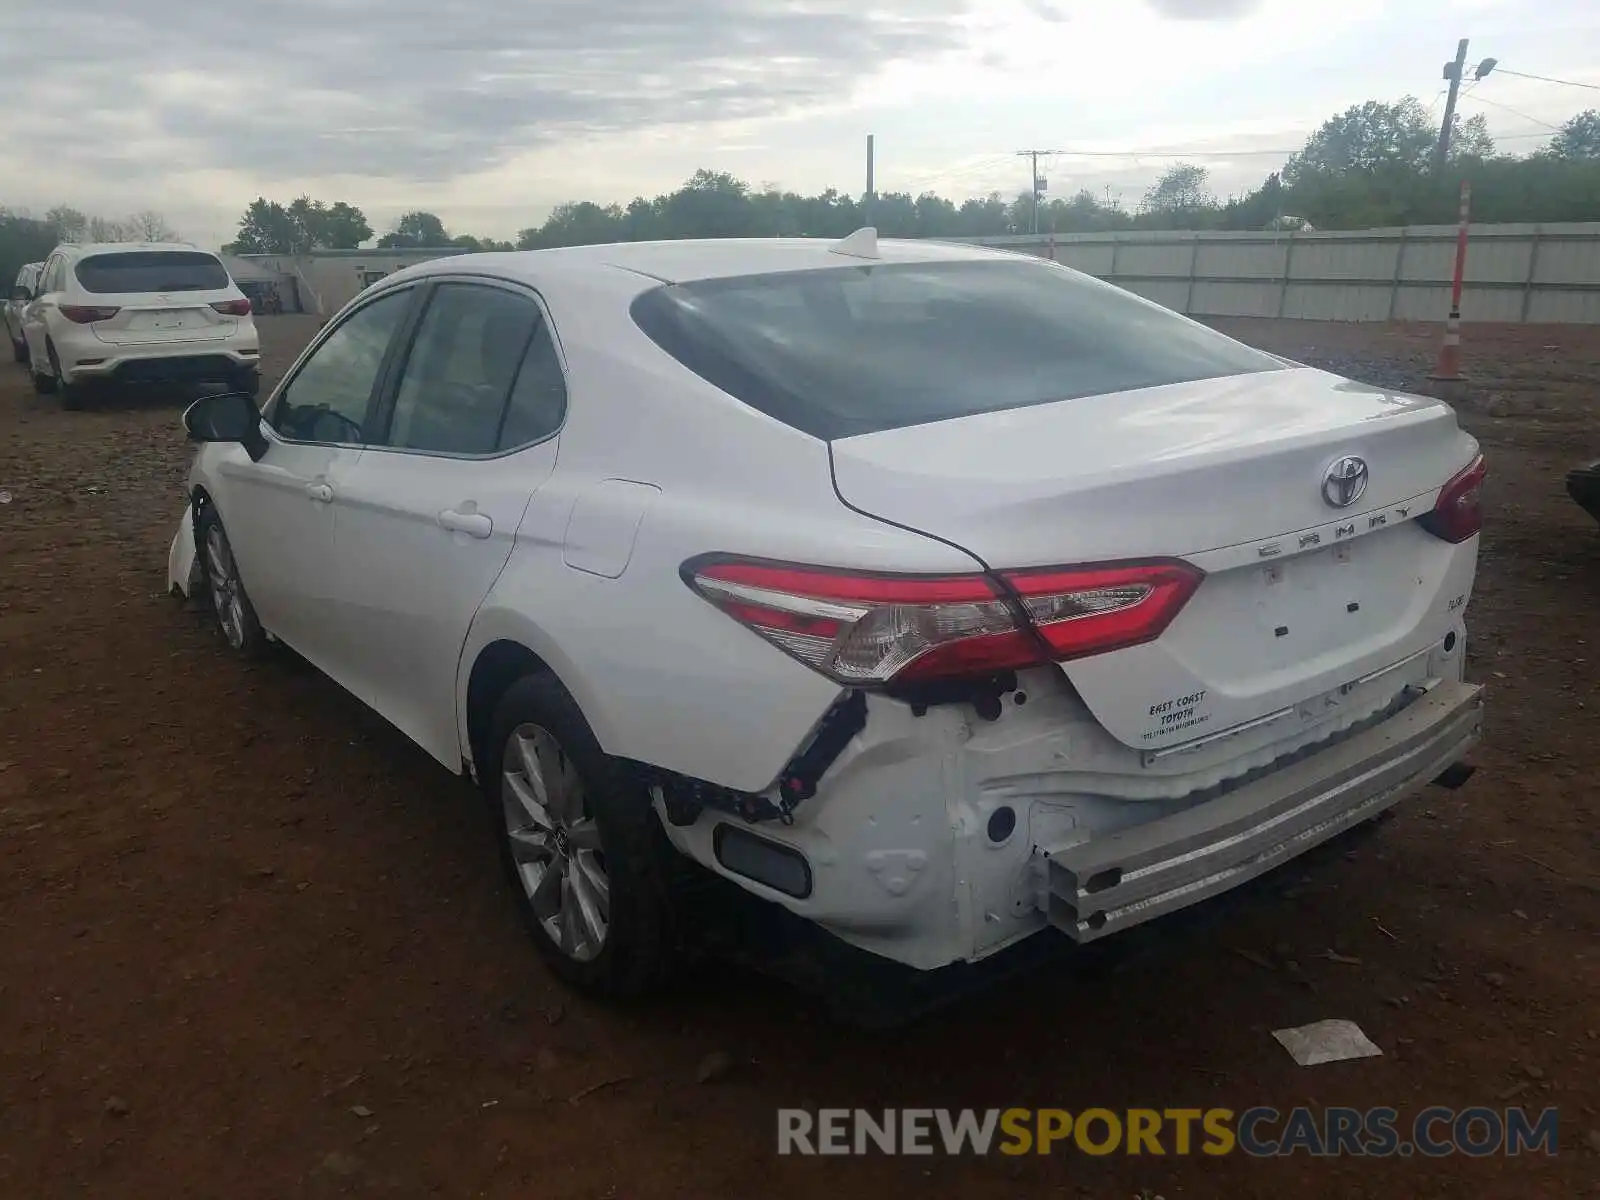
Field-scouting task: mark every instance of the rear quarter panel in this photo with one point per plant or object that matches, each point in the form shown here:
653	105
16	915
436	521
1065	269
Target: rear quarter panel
662	676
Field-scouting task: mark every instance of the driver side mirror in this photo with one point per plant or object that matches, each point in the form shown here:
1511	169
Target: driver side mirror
227	417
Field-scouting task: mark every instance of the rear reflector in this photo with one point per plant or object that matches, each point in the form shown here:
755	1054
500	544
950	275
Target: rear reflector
869	629
782	868
1458	513
232	308
88	314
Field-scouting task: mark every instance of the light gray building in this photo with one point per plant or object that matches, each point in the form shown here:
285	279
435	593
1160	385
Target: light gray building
324	281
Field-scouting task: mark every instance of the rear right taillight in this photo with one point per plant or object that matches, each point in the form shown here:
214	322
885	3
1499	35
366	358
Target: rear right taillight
232	308
867	629
88	314
1091	610
1458	513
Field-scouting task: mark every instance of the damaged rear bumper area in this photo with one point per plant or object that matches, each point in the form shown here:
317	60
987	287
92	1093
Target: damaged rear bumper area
1097	886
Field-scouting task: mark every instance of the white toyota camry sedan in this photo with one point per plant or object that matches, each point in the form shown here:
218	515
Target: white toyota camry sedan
941	596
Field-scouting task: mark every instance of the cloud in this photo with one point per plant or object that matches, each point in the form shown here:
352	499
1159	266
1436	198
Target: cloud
423	90
1203	10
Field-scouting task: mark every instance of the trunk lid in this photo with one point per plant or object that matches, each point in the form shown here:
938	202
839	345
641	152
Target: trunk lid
1303	596
145	319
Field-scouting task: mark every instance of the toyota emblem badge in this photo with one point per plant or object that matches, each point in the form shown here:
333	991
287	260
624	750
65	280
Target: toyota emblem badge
1345	481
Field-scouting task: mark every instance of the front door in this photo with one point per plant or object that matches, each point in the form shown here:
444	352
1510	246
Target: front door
280	512
428	516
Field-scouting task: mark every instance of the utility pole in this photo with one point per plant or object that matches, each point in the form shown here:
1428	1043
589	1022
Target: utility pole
871	195
1452	72
1033	157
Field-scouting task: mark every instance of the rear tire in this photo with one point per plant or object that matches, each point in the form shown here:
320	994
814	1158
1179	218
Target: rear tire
248	382
581	844
71	393
44	385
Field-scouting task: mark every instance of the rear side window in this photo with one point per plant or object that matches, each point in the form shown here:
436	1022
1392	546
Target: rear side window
854	350
481	377
152	271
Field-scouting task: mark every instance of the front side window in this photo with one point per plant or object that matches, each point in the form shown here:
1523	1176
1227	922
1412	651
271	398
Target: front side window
327	399
151	271
850	350
471	351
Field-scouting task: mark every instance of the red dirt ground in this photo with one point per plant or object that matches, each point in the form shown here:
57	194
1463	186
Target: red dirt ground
236	907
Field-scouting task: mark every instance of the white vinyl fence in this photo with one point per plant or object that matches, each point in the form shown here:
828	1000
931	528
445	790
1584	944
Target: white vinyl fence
1532	273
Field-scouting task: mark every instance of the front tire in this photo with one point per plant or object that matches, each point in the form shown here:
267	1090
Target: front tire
581	844
236	616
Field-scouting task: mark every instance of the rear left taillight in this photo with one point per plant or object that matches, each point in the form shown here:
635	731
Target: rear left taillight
88	314
232	308
1458	513
866	629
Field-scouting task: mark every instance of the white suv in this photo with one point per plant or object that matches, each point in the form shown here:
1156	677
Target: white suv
21	293
937	595
138	313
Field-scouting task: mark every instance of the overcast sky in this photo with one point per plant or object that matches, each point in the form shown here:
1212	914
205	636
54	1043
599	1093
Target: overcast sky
490	113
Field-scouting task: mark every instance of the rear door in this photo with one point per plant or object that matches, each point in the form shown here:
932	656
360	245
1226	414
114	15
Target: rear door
427	517
160	296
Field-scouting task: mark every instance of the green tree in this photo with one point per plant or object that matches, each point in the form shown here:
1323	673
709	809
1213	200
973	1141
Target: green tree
1377	136
1181	198
22	240
267	228
416	229
303	225
341	226
1579	139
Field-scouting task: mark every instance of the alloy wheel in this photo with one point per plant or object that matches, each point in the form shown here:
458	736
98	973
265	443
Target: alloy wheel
555	842
227	596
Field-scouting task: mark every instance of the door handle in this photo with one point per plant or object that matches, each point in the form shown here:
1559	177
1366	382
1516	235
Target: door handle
473	524
320	492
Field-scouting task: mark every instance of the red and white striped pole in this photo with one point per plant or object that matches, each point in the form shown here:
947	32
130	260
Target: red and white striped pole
1448	369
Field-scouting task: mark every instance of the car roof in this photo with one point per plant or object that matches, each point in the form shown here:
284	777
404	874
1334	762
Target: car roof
84	249
689	260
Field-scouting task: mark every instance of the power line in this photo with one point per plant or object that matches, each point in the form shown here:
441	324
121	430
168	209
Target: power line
1593	87
991	162
1173	153
1518	112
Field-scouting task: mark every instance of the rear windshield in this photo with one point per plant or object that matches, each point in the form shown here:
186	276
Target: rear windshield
853	350
152	271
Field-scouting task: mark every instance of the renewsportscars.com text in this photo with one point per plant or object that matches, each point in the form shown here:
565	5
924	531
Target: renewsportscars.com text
1258	1132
